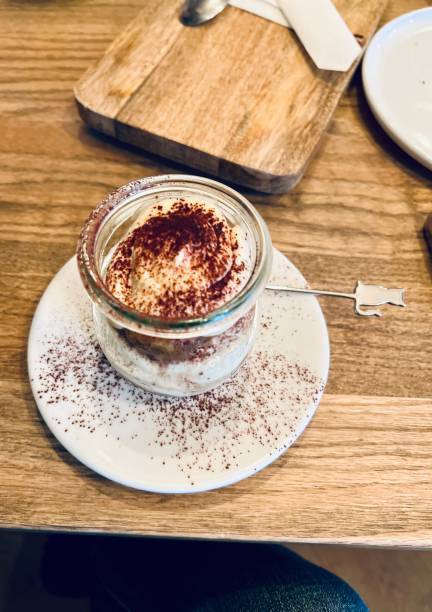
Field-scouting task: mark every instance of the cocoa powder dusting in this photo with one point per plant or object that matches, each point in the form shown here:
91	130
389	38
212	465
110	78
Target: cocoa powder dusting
202	432
188	257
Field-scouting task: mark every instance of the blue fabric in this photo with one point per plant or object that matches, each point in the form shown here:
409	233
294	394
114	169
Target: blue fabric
159	575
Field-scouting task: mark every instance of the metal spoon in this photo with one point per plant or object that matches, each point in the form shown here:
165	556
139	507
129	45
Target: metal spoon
364	295
196	12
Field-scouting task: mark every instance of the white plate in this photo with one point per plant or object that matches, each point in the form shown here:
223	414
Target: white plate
397	77
177	445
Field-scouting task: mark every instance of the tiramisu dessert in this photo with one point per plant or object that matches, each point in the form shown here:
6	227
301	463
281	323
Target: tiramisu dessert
180	260
174	267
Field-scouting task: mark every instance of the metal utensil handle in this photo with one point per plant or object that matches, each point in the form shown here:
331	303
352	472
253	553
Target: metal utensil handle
364	295
350	296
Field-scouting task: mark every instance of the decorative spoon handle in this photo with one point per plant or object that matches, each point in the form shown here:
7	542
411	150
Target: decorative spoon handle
364	295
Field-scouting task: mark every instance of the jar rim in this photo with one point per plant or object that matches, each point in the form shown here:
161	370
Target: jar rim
133	318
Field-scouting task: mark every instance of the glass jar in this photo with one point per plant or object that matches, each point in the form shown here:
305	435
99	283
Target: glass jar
172	357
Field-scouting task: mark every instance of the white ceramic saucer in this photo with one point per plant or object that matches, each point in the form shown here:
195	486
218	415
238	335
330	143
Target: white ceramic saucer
177	445
397	77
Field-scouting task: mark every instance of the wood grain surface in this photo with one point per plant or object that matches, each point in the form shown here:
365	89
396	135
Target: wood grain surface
237	98
362	472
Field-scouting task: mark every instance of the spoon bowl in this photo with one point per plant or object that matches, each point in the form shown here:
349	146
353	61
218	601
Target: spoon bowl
196	12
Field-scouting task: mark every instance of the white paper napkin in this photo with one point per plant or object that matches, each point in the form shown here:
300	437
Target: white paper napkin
269	9
323	32
317	23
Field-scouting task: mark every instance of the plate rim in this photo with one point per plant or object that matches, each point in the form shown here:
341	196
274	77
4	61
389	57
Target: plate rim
390	128
246	472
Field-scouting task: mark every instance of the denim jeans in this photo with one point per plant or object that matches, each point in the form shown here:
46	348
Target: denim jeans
160	575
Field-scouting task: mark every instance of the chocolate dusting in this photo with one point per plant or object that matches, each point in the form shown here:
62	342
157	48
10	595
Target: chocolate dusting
193	251
260	402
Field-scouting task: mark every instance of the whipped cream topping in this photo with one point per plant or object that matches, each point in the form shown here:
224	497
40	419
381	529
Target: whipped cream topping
181	259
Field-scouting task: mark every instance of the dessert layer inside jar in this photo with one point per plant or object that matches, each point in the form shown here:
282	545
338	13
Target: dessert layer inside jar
182	258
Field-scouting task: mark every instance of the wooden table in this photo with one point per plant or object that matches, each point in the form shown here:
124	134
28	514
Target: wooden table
362	472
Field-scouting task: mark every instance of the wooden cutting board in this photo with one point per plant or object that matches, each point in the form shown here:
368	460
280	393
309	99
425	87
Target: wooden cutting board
236	98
